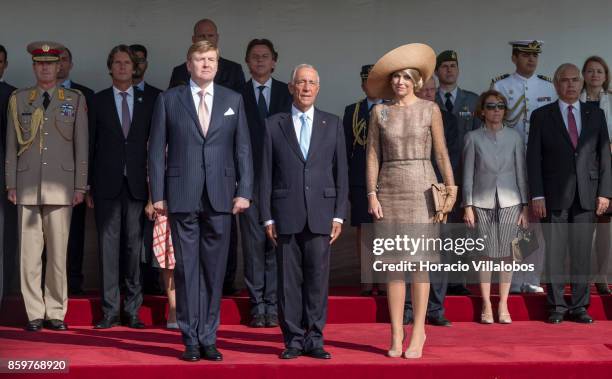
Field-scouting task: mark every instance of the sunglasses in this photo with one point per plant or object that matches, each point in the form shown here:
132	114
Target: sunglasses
493	106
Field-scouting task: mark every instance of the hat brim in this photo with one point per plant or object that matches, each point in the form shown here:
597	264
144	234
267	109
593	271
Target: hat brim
46	59
417	56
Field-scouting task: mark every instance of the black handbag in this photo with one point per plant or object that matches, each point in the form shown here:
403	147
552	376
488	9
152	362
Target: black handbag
525	243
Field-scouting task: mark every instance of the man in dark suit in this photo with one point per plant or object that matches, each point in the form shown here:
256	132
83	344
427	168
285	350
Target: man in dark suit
304	200
263	96
205	179
568	164
438	279
76	238
229	73
120	120
149	274
7	209
461	104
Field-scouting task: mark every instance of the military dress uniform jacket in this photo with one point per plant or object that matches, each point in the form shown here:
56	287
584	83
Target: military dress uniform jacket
524	95
46	150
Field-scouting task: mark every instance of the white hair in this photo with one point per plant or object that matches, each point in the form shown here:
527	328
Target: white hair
300	66
561	69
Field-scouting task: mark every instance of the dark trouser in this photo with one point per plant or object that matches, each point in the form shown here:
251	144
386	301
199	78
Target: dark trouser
569	229
76	245
259	263
303	276
9	266
114	216
2	207
201	240
232	258
149	273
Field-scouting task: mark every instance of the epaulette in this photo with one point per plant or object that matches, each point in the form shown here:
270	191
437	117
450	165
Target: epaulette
78	92
543	77
498	78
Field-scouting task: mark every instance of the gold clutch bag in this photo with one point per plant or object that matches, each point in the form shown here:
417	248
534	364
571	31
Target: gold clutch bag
439	193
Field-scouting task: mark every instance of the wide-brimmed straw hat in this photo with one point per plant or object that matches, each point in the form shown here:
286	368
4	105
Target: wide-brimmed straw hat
417	56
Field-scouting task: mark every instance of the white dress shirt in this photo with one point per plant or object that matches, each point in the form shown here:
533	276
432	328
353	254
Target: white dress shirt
66	83
563	106
296	116
119	100
141	85
208	96
266	91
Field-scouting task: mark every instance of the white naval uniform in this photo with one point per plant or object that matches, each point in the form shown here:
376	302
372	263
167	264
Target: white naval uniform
524	96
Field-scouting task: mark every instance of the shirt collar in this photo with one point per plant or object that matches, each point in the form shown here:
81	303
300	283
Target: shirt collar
130	91
522	78
372	103
50	91
268	83
563	106
298	113
141	85
66	83
453	93
195	88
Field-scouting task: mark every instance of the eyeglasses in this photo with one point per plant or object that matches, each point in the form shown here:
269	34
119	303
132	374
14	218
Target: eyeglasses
493	106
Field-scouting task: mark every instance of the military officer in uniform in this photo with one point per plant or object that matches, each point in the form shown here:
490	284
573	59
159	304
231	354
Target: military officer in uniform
526	91
356	119
46	175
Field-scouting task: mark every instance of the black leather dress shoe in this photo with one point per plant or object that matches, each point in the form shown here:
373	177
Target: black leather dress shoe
210	353
603	288
230	291
271	321
34	325
258	321
582	318
191	354
438	321
134	322
107	322
290	353
555	318
318	353
55	325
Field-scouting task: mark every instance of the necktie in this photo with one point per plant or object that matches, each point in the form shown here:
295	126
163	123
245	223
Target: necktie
448	103
203	115
46	99
571	126
125	114
261	103
304	135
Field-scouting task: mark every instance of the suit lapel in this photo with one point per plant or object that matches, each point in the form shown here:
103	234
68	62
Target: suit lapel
458	101
274	98
289	132
217	112
137	110
187	101
318	133
55	101
585	115
556	114
110	99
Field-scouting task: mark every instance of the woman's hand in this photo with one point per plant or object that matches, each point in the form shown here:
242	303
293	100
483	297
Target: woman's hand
523	220
468	217
374	207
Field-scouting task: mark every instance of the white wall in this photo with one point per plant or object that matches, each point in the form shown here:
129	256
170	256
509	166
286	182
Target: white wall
335	36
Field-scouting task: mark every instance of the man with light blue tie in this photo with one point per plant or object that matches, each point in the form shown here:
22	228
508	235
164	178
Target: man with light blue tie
304	200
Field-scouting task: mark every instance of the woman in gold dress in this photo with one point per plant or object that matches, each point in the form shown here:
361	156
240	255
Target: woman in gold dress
399	173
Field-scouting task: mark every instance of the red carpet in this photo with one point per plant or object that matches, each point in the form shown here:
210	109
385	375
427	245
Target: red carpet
467	350
345	306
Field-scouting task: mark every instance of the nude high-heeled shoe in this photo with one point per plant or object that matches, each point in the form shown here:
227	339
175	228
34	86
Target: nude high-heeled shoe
504	318
486	317
397	353
415	354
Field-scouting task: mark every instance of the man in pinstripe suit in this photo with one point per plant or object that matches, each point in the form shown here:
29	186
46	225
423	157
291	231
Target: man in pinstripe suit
206	177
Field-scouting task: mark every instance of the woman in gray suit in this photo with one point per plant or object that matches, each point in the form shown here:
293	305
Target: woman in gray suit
495	193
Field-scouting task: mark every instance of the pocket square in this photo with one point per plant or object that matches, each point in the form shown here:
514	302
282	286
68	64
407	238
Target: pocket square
229	112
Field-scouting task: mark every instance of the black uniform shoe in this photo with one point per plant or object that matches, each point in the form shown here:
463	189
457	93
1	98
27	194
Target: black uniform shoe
55	325
271	321
603	288
438	321
318	353
191	354
210	353
555	318
290	353
582	318
107	322
34	325
134	322
258	321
